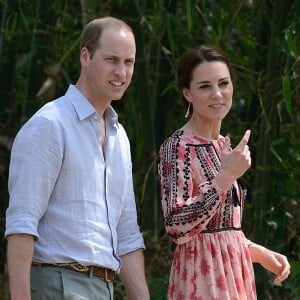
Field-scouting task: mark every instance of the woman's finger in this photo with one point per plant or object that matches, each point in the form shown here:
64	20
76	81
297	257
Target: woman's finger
244	141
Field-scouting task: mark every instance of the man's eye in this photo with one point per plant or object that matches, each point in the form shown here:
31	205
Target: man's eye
129	62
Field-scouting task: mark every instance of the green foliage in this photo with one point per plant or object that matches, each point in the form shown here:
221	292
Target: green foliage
39	58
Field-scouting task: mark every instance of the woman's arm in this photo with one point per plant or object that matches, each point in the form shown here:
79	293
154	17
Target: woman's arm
189	199
271	261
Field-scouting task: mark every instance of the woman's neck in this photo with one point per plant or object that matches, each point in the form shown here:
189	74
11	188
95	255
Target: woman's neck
205	129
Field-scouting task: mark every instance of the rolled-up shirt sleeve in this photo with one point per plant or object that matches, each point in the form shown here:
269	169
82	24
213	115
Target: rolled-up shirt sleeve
129	235
35	163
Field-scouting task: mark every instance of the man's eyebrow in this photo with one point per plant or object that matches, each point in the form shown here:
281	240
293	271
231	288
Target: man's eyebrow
117	56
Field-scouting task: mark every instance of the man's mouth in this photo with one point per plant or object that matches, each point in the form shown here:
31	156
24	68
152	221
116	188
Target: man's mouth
116	83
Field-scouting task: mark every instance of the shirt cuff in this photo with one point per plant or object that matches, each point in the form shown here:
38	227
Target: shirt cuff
21	224
129	244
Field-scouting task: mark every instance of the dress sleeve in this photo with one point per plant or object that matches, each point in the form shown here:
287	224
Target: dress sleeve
187	204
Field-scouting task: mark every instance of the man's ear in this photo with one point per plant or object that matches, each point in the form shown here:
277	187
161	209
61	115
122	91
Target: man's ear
84	56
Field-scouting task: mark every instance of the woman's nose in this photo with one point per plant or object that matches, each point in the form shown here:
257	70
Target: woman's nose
216	92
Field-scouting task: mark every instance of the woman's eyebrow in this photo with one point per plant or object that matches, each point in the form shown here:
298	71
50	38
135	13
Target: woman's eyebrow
207	81
203	81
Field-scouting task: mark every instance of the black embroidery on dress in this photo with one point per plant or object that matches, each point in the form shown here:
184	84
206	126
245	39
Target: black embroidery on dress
209	160
236	200
186	171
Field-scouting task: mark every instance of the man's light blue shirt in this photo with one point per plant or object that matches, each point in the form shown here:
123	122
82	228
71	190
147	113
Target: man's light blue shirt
78	203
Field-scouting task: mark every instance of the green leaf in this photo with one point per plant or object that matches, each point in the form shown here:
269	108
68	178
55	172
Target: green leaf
273	224
188	11
276	154
170	33
287	94
290	38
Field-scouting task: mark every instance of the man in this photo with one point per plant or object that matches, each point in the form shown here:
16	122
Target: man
71	223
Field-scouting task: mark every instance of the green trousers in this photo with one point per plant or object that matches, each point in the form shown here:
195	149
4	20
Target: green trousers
54	283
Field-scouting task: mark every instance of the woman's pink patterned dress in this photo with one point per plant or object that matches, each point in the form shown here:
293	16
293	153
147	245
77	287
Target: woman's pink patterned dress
211	260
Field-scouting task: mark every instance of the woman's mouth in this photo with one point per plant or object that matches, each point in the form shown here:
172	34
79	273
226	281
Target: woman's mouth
217	105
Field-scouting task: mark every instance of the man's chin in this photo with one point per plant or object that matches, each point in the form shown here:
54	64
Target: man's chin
117	99
117	96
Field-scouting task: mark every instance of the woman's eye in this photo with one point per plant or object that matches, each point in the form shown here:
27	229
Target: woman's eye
204	86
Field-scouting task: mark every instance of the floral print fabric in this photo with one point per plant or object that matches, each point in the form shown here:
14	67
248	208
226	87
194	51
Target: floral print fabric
211	260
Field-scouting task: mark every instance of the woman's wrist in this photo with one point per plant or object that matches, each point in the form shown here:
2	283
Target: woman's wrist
224	181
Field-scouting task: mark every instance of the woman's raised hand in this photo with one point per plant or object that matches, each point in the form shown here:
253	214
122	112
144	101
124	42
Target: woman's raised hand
234	162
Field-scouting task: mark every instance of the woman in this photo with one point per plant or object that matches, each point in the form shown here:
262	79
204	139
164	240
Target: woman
202	197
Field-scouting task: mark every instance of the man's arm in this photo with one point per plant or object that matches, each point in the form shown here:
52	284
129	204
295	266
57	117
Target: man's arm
19	257
133	276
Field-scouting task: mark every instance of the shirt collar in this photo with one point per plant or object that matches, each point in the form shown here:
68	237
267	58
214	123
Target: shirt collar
111	116
85	109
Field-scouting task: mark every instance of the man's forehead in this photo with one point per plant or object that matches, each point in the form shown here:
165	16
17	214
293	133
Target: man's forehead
119	42
116	52
121	30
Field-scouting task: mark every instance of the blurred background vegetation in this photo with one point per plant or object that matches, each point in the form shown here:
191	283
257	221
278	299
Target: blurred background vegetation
39	58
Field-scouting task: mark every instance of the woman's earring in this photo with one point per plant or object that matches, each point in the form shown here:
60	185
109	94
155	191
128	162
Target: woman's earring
188	111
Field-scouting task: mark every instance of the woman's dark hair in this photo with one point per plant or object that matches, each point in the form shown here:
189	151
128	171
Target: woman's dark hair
194	57
91	34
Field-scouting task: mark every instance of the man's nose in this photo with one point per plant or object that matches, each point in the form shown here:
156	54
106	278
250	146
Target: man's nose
120	70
